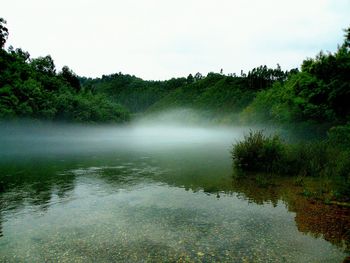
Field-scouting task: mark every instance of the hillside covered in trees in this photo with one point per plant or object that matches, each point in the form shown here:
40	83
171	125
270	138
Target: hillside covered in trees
214	92
317	93
32	88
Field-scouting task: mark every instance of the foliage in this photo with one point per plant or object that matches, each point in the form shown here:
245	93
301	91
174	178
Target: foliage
31	88
3	32
214	92
134	93
87	107
305	159
263	77
72	79
268	154
319	93
340	136
257	152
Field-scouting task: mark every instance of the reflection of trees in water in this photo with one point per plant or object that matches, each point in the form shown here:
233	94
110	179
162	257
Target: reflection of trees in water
329	221
318	219
2	189
37	183
32	183
259	195
1	225
315	218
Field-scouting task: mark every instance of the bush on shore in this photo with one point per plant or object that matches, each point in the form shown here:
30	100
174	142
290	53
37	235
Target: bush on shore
268	153
258	152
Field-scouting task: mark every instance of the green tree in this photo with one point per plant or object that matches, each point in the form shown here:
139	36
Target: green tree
68	75
190	79
347	37
44	65
3	32
198	76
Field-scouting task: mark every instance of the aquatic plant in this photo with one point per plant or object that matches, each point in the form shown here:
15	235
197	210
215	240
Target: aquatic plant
268	155
258	152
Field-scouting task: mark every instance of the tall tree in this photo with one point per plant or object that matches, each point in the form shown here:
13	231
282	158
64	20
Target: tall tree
68	75
45	65
347	37
198	76
190	79
3	32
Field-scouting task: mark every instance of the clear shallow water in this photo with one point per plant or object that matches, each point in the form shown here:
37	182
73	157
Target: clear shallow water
150	194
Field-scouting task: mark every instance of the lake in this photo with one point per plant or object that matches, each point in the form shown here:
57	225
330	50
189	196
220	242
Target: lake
145	193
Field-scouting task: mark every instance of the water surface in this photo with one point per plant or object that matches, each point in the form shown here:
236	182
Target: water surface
150	194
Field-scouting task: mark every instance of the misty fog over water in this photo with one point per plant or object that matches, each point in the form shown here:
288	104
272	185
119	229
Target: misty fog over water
158	188
41	139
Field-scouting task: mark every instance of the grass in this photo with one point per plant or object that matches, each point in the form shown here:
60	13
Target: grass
257	152
266	155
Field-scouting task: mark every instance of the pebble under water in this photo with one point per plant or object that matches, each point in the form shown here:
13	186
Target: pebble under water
144	198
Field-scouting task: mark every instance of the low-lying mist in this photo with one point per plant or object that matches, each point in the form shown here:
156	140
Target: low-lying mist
154	132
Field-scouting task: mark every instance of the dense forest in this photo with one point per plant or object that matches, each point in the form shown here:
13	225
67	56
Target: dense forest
215	92
313	98
310	105
31	88
318	93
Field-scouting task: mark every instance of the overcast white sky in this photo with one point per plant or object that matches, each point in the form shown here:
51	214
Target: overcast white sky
160	39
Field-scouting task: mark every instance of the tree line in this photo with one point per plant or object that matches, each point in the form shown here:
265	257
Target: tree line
317	93
32	88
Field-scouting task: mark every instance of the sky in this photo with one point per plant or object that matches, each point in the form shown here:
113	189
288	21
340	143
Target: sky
161	39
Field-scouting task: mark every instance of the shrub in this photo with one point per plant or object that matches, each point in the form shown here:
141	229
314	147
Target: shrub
340	136
261	153
305	159
258	153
